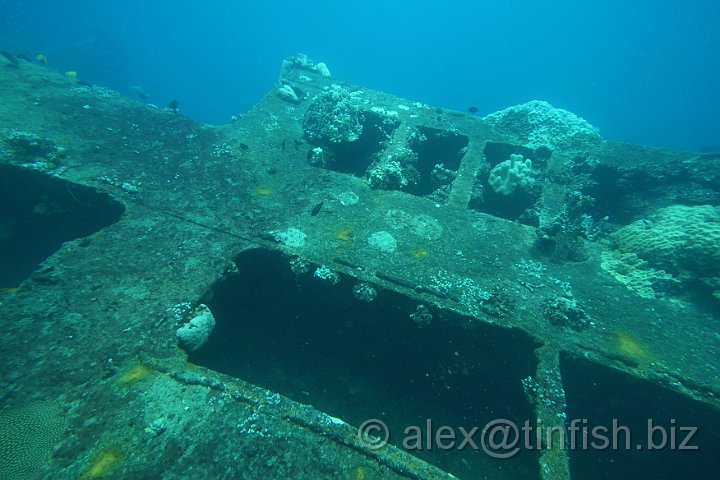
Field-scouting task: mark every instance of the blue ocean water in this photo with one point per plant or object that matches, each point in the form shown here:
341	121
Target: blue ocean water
643	71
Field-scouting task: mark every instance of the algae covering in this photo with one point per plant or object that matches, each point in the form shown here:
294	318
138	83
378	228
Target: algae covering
236	302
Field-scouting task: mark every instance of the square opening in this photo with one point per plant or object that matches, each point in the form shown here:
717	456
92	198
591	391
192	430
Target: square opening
357	353
354	156
646	427
439	153
519	203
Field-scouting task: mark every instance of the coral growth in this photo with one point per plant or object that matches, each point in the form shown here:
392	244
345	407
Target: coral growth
566	311
102	463
33	151
515	172
133	374
537	124
333	116
684	241
197	330
344	234
303	62
27	435
636	274
383	242
631	349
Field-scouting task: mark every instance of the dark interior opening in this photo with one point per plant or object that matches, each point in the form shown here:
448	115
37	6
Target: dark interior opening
512	206
315	342
38	213
600	395
496	152
355	157
621	197
627	194
436	147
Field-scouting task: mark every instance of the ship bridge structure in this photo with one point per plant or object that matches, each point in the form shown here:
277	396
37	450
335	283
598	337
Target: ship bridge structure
342	283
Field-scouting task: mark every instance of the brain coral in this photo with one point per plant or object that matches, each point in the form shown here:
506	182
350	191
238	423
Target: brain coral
682	240
538	123
636	274
27	435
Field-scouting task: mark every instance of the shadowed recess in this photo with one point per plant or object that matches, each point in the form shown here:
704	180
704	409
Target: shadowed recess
38	213
316	343
660	427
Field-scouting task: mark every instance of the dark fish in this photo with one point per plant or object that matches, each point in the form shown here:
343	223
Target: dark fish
316	209
22	56
244	146
473	109
174	106
10	57
83	83
282	146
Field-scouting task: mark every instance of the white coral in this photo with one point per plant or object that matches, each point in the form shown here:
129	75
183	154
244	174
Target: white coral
514	172
538	123
383	242
288	93
196	332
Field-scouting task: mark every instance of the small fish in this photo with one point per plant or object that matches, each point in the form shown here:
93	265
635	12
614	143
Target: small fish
41	59
22	56
71	74
316	209
473	109
84	83
174	106
10	57
282	146
244	146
